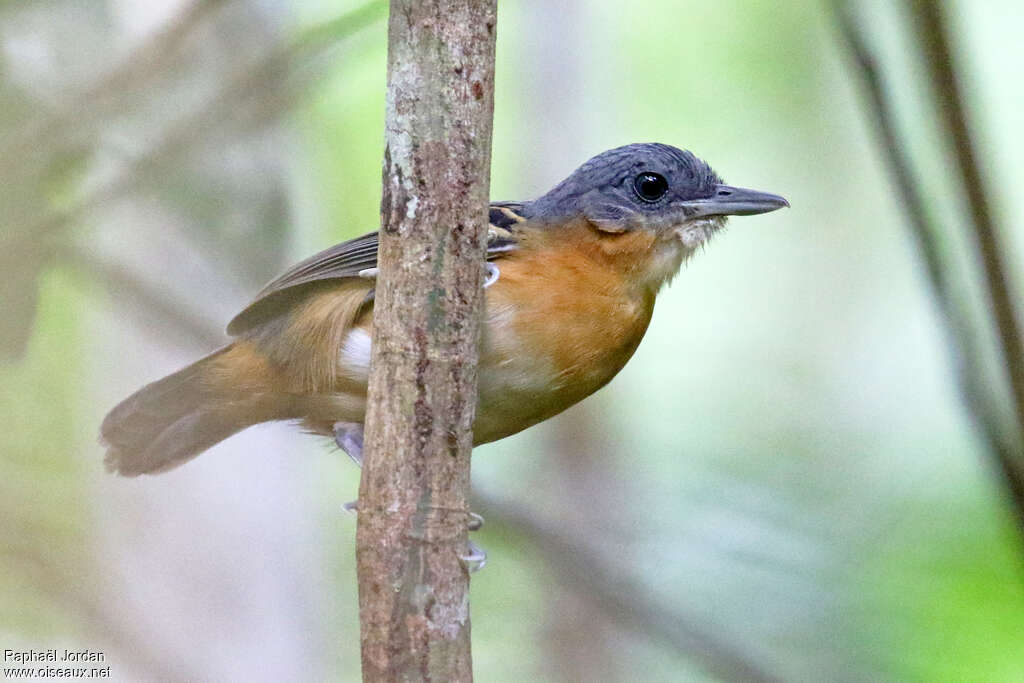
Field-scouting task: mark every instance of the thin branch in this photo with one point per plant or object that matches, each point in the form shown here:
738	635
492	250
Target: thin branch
933	33
624	600
141	64
421	396
115	277
967	347
261	79
328	32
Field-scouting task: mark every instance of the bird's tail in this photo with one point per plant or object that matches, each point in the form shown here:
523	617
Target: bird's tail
172	420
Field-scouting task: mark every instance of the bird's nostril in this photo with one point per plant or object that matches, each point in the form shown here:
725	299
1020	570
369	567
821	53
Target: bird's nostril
724	193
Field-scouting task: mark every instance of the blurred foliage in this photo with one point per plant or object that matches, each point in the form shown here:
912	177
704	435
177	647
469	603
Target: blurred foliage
784	467
42	496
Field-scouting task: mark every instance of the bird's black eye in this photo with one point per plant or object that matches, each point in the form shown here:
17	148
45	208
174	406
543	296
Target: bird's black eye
650	187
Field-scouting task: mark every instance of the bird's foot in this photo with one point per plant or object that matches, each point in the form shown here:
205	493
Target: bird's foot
349	437
475	558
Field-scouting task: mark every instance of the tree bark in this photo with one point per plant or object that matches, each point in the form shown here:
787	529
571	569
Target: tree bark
413	511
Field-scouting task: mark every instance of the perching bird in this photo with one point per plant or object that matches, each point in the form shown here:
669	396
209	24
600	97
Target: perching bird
573	278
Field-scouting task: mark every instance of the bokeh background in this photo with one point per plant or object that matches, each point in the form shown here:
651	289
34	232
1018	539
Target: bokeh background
783	482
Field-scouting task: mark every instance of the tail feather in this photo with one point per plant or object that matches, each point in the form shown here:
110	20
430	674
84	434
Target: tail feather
172	420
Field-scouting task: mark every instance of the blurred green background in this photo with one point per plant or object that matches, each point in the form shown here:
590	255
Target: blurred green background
783	478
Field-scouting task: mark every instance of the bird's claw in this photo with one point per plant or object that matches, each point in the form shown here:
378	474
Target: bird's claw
475	558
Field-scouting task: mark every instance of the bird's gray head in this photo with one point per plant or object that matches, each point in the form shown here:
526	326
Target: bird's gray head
650	186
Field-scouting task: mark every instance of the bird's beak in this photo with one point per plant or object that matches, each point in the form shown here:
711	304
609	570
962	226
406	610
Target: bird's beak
733	201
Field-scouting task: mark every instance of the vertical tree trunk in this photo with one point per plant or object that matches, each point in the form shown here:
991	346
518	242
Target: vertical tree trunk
413	511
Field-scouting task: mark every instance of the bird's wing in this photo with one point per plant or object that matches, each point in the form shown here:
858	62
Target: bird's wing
357	258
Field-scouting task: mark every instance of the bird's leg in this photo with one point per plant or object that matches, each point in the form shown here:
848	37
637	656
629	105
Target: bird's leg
349	437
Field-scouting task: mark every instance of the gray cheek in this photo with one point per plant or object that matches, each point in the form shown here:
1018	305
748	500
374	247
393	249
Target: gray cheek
614	213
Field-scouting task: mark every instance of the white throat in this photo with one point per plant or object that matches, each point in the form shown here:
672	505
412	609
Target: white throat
678	245
693	234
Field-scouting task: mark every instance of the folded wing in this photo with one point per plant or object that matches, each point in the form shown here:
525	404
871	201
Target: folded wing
356	258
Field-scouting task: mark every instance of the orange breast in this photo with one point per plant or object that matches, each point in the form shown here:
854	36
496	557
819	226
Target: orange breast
565	315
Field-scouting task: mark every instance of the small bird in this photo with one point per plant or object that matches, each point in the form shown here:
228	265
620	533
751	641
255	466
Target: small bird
572	278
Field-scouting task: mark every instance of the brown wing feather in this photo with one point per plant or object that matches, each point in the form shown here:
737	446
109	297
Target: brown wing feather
348	260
